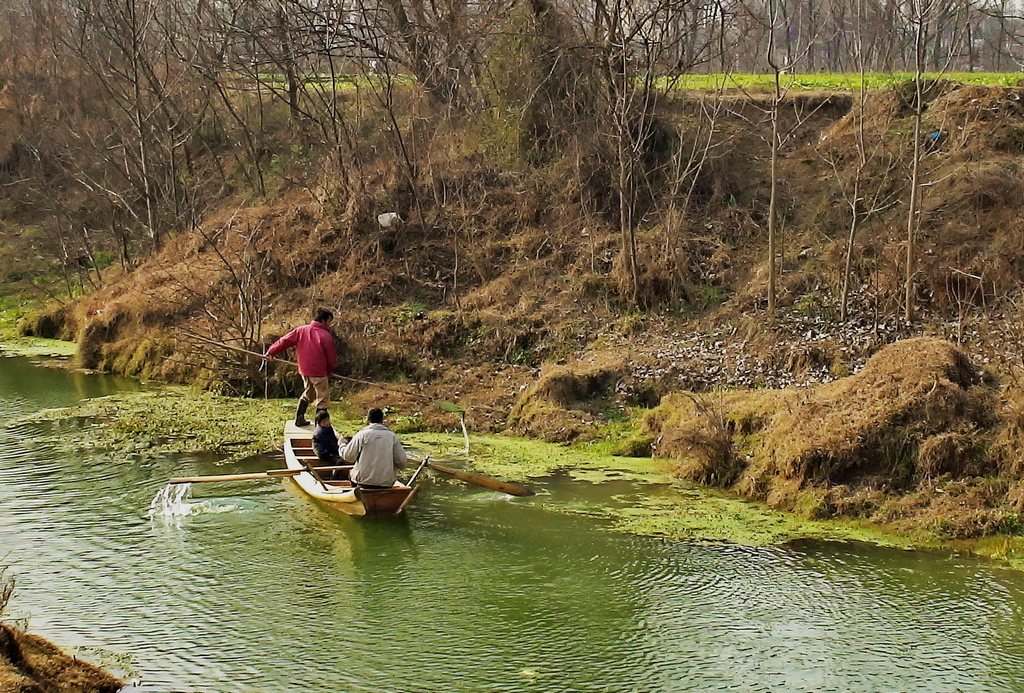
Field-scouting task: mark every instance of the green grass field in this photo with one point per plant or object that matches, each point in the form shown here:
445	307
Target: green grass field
835	81
810	81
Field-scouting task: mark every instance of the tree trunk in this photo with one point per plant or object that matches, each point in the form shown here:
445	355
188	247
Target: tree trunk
773	195
140	126
287	62
862	156
913	212
773	198
626	206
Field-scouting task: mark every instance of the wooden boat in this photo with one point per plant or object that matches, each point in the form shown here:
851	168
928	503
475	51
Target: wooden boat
331	485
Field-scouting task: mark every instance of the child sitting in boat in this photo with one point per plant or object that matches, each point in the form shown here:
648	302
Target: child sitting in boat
376	453
325	440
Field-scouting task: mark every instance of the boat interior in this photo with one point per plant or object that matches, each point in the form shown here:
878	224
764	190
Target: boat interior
337	476
376	502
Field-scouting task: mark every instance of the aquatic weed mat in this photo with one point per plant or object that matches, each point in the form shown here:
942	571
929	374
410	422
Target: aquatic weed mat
174	420
638	495
681	512
521	458
37	347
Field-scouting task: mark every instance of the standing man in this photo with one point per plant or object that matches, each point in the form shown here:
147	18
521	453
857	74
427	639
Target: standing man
315	352
376	453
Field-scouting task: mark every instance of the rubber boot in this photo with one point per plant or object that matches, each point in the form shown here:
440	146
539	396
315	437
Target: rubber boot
300	413
318	413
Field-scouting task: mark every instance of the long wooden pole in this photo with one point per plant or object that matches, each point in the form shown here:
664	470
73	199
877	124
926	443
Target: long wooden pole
336	376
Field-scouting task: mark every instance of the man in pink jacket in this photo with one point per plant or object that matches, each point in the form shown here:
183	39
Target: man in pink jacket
315	352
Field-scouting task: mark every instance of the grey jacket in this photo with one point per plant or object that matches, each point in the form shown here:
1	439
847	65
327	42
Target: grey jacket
376	453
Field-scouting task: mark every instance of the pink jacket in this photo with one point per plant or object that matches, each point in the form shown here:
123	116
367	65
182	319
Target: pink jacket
314	349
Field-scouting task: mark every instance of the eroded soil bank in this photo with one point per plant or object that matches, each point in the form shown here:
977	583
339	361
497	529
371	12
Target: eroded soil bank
921	441
30	664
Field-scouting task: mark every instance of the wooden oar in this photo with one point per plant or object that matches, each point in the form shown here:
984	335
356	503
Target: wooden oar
415	489
251	476
424	463
254	476
482	480
315	474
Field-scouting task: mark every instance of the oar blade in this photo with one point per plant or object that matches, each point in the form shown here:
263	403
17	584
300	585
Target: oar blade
482	480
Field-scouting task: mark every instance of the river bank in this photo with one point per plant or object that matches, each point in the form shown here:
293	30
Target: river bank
30	664
544	323
175	420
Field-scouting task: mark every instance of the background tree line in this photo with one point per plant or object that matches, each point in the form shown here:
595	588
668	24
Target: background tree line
135	118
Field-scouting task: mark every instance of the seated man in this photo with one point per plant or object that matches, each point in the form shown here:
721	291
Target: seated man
376	453
325	442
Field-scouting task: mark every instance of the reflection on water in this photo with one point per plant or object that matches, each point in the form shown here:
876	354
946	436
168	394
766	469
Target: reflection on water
263	590
25	387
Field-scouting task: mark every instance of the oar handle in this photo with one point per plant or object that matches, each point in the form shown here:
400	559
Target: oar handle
255	476
252	476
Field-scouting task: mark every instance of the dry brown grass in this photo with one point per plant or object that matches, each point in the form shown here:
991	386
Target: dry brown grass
561	405
30	664
1008	448
877	418
699	437
567	386
957	509
907	440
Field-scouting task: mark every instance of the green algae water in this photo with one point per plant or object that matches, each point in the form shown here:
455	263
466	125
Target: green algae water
255	588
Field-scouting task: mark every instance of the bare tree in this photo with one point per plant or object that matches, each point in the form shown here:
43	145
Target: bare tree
863	199
924	17
775	22
234	315
635	43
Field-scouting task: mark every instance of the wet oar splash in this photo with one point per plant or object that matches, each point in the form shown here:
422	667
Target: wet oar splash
171	501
